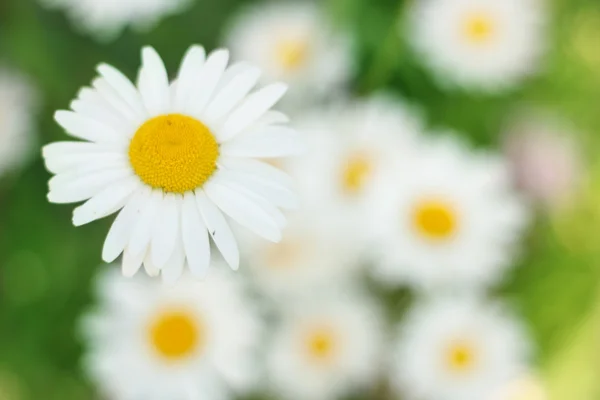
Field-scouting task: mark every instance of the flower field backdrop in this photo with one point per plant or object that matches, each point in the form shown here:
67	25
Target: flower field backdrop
533	103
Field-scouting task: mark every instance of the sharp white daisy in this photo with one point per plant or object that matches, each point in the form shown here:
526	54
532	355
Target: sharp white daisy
18	107
105	19
319	250
174	159
458	349
326	348
294	42
450	219
479	44
191	340
351	145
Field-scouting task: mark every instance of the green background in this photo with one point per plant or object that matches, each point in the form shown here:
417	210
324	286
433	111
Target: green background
47	265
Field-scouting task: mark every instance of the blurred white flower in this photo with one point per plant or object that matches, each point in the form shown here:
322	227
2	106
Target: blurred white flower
105	19
191	340
174	158
350	146
326	348
318	251
294	42
546	159
479	44
525	387
447	217
457	349
18	109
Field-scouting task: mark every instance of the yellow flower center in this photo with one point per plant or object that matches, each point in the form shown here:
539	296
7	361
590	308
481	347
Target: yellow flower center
479	28
435	219
321	344
174	152
292	53
461	357
175	335
356	172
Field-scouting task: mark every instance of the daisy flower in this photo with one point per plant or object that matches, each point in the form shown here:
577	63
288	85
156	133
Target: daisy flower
294	42
351	145
105	19
546	159
479	44
457	349
318	248
151	341
174	158
326	348
18	106
450	218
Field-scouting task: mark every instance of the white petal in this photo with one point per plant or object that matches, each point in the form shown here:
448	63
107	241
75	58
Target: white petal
131	263
122	228
117	102
190	67
219	229
95	101
277	195
251	110
66	148
151	269
153	83
105	203
86	128
231	72
273	141
104	115
272	117
243	210
277	216
195	237
228	97
174	266
72	188
85	162
123	86
206	82
258	169
142	232
166	230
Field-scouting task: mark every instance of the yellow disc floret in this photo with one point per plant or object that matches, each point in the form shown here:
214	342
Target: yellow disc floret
479	28
461	357
175	335
292	53
174	152
435	219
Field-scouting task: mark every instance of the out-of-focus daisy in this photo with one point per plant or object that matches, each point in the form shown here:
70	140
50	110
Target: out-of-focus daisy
105	19
457	349
480	44
450	218
191	340
293	42
18	106
326	348
318	250
351	145
547	161
174	158
527	387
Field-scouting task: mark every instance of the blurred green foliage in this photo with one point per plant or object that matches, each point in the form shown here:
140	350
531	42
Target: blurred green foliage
47	265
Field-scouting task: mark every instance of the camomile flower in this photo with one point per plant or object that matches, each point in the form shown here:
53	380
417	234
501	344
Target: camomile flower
479	44
18	106
151	341
325	348
350	147
319	248
174	158
449	219
295	43
105	19
457	349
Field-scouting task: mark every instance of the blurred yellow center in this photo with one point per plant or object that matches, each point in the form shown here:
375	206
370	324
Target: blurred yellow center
355	173
479	28
283	254
292	53
321	344
175	335
435	219
174	152
461	357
